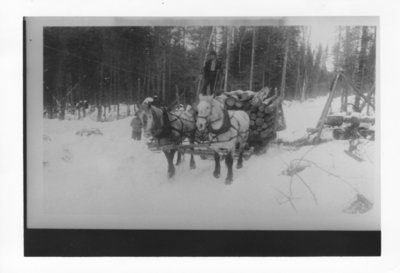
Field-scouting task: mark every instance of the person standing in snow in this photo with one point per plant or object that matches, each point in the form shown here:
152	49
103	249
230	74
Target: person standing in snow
211	71
136	125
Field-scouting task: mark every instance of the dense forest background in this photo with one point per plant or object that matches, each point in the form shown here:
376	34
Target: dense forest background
100	67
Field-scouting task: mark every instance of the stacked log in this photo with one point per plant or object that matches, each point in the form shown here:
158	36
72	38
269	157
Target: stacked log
351	127
264	110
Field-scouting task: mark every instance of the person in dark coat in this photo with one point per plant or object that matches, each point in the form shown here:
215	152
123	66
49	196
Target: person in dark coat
136	125
211	71
156	101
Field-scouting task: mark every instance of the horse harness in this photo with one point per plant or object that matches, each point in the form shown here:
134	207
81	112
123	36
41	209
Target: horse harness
226	126
165	129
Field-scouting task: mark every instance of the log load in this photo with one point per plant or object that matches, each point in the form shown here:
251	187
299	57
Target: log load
265	112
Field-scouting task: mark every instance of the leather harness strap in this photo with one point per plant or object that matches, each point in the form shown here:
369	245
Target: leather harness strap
226	125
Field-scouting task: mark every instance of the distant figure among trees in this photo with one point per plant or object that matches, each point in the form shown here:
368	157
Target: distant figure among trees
211	71
82	106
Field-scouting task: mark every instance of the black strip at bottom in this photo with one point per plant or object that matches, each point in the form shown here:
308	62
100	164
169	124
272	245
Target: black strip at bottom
67	243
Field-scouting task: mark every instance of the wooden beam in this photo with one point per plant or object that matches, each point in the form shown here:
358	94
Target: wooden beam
369	96
358	91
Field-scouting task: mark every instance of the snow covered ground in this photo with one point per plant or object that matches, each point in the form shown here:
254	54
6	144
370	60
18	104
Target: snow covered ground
111	181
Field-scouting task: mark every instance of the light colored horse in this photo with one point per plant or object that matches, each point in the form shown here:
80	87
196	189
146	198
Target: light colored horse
168	128
228	130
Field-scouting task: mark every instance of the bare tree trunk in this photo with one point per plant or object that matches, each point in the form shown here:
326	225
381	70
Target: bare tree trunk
228	46
117	91
139	91
283	81
304	87
253	46
204	62
361	67
164	70
144	82
149	77
178	101
100	101
298	88
240	58
305	73
129	91
263	77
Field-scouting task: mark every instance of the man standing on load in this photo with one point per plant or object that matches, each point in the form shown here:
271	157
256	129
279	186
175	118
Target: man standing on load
211	71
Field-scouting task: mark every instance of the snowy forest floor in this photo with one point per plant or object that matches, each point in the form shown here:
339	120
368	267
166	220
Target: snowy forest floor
112	181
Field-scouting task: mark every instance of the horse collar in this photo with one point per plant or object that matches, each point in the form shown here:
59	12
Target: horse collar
226	124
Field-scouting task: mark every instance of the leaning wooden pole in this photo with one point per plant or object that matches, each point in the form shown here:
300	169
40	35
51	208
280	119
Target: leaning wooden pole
358	91
328	103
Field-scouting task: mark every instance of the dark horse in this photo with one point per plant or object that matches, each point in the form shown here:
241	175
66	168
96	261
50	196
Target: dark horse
169	128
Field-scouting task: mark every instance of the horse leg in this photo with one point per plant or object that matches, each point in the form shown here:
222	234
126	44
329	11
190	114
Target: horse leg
217	169
239	164
179	158
240	160
229	163
192	163
170	156
171	171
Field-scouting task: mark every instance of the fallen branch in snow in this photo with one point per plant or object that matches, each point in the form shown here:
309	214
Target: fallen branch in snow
294	168
328	172
88	132
308	188
288	198
309	139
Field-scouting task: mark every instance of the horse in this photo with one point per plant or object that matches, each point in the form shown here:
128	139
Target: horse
228	130
168	128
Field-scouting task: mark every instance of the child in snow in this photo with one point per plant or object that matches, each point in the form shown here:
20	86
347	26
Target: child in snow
136	125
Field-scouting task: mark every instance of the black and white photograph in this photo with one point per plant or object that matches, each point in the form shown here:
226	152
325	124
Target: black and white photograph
236	123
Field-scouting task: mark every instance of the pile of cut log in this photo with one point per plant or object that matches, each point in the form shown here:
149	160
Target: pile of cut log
265	111
351	127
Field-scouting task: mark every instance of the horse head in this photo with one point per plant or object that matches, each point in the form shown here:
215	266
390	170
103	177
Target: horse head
151	118
204	111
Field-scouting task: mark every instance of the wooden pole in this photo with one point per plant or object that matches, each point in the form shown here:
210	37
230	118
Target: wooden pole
358	91
369	96
328	103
